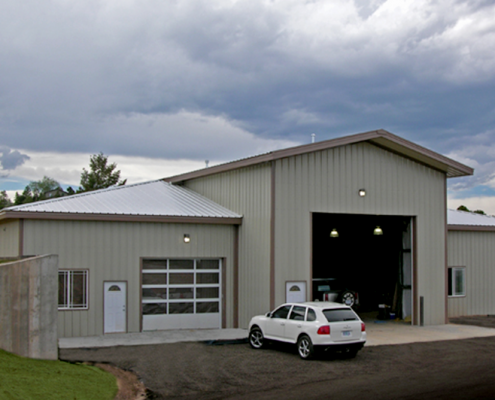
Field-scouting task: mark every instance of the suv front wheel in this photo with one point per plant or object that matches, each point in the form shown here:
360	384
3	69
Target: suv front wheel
256	339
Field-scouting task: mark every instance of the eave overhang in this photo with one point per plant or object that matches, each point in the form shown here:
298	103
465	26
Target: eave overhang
471	228
61	216
380	138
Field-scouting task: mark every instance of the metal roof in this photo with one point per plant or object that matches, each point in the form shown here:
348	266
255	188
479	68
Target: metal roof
155	198
465	218
380	138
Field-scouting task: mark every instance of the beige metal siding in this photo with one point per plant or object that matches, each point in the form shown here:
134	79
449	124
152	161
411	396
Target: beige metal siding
246	191
9	239
476	252
328	181
112	251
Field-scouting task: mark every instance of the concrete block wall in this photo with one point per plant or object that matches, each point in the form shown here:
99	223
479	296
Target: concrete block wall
28	307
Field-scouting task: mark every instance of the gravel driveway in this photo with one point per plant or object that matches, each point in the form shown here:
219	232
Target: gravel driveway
460	369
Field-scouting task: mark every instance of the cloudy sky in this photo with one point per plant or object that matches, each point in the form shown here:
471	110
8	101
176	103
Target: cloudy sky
161	86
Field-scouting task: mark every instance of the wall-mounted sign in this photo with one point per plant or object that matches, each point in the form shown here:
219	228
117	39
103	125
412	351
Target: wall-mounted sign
295	292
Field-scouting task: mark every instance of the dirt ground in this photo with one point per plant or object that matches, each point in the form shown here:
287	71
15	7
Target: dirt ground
460	369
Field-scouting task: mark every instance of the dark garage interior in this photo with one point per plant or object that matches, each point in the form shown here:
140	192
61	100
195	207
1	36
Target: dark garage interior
364	254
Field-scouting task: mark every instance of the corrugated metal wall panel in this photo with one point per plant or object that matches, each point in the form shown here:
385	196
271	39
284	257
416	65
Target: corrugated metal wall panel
112	251
247	192
9	239
476	252
328	182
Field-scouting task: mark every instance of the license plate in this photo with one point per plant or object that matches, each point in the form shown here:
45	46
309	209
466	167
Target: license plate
346	333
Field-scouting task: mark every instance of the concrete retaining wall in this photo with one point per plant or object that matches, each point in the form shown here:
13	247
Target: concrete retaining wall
28	307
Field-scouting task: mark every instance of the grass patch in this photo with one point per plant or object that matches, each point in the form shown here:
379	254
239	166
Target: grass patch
24	378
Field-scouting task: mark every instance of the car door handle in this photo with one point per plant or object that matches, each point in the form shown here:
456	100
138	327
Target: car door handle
299	326
282	324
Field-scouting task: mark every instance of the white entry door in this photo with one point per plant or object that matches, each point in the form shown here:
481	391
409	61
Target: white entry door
115	307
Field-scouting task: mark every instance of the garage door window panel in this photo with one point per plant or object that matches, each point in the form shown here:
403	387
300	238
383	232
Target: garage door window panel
207	293
181	293
207	307
154	308
154	279
181	308
181	264
208	277
157	265
208	264
181	278
154	293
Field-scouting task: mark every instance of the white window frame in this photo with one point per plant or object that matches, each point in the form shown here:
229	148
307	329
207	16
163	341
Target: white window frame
452	273
68	275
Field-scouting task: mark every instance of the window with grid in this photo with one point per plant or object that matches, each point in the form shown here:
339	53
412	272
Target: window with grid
189	286
72	289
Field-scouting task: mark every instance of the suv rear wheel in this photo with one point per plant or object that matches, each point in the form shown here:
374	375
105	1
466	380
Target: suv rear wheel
305	347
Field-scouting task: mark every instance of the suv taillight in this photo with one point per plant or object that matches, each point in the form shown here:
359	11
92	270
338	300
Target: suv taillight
324	330
363	327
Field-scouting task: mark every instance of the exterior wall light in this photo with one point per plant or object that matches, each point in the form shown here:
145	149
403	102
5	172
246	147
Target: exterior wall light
378	231
187	238
362	192
334	233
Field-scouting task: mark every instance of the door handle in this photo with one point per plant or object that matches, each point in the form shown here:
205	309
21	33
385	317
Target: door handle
299	326
282	324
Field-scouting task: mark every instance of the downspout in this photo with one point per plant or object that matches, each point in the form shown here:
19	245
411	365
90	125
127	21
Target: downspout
21	238
446	256
236	277
272	238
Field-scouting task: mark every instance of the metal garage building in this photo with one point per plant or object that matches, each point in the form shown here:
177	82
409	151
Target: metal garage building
214	247
123	258
471	261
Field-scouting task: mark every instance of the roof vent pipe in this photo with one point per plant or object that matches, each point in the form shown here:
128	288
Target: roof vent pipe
313	137
206	163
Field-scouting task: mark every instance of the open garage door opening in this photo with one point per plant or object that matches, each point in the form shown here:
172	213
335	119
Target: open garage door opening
364	260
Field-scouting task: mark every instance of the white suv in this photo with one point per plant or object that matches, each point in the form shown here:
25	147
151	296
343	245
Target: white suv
313	326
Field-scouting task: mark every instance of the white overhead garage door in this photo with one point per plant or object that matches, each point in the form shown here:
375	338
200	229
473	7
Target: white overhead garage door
181	294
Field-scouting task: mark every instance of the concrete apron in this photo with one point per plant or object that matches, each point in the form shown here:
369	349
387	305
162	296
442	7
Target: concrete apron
378	333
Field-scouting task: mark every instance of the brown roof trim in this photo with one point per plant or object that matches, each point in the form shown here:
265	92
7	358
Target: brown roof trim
118	218
381	138
472	228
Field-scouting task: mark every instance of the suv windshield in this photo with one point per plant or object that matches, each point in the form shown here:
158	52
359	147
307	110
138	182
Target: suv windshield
340	314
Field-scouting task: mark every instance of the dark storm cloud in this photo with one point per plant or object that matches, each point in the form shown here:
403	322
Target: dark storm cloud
225	79
11	159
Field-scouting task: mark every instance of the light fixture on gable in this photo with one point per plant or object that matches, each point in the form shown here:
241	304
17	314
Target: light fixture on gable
362	192
187	238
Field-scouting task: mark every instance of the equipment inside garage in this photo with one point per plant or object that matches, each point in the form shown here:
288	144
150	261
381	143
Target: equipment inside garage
369	255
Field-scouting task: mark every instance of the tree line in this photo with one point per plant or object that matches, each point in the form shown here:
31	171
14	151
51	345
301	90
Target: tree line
101	174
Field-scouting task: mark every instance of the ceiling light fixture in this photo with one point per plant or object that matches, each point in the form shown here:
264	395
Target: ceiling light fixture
378	231
334	233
